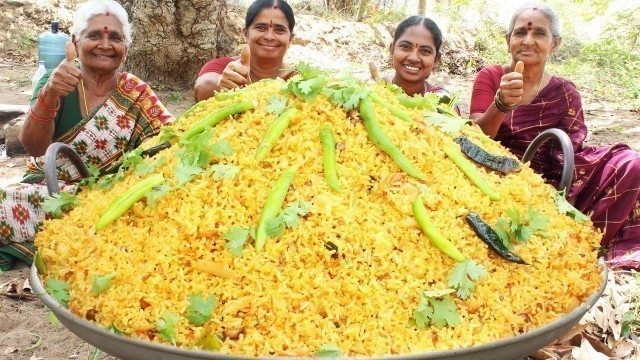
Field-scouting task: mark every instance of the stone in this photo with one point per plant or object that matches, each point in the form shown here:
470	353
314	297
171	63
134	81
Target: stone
10	112
12	141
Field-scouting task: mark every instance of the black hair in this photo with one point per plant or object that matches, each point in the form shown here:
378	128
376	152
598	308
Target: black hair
419	20
260	5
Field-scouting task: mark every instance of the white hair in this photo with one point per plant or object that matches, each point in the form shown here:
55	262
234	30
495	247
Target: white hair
92	8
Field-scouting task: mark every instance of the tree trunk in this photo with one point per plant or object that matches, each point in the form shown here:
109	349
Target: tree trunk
361	9
172	39
422	6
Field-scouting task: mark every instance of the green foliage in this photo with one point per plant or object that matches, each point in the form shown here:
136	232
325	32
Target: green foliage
237	236
199	310
328	351
436	309
59	290
463	277
58	204
520	228
165	326
175	97
100	284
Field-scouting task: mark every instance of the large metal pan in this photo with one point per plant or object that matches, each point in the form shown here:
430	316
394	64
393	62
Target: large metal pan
127	348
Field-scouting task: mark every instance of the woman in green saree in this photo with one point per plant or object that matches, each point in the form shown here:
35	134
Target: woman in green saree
94	108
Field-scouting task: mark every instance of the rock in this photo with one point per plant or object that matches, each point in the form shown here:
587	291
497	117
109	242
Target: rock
16	3
10	112
11	141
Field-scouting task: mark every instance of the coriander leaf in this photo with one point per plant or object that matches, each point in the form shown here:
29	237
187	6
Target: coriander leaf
237	237
502	229
59	290
114	329
185	173
437	293
537	223
448	124
444	313
394	88
165	326
277	105
564	207
328	351
132	159
60	203
222	148
292	213
221	171
90	181
156	193
52	318
275	227
463	277
199	312
167	133
423	313
101	283
145	167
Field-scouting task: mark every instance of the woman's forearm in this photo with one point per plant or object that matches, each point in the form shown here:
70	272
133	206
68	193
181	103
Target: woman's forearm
37	131
489	121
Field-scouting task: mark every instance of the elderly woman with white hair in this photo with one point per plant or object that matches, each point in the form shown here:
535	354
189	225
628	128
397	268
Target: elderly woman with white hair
92	106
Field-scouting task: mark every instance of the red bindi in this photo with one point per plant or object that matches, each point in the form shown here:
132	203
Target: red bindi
107	13
275	7
530	23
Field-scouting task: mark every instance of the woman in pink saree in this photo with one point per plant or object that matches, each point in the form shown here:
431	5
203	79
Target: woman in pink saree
513	104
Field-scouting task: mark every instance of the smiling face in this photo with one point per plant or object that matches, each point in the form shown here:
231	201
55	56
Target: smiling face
268	35
532	40
101	46
414	55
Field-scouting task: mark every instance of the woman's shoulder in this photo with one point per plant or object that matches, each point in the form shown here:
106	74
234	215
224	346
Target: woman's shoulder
216	65
492	71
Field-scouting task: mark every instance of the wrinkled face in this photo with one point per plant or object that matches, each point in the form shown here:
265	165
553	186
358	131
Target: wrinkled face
414	54
101	46
531	40
269	36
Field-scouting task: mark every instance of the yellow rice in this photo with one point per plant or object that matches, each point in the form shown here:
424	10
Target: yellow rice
293	297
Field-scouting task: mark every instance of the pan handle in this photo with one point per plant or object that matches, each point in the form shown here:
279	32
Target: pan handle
50	171
567	150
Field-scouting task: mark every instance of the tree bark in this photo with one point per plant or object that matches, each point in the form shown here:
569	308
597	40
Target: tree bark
172	39
361	9
422	6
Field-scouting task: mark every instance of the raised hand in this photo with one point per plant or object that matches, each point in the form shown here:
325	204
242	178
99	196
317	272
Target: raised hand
65	77
373	69
236	73
512	86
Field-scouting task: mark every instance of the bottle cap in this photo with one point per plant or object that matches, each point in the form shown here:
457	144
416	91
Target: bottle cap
54	27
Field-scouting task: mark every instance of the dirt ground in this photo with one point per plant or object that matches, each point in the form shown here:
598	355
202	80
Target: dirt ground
25	329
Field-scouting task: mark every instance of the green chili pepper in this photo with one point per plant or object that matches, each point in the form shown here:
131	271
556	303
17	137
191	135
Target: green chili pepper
329	158
382	141
276	129
120	205
470	170
436	238
226	95
394	110
40	265
273	204
188	112
215	117
489	236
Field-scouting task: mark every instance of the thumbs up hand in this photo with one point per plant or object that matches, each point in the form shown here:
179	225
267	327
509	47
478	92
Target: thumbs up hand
512	86
373	69
236	73
65	77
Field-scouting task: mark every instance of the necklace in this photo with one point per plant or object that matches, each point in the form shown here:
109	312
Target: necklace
424	85
84	96
540	85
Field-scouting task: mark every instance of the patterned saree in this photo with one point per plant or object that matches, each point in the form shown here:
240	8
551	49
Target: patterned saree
131	114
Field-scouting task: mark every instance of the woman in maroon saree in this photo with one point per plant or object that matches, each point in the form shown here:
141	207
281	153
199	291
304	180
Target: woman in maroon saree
515	106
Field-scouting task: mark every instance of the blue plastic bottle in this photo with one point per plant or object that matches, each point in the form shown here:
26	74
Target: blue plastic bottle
51	46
